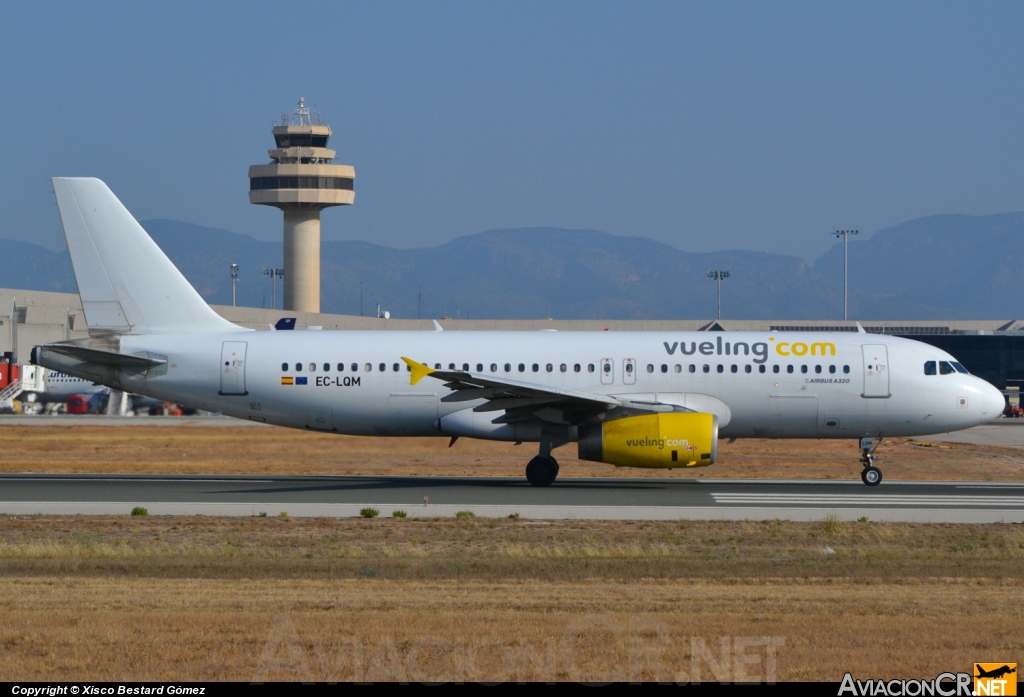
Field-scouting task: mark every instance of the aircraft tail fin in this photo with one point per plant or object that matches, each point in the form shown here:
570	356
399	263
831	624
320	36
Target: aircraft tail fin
126	282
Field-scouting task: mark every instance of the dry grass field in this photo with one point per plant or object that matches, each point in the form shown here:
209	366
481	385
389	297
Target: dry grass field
195	598
267	599
271	450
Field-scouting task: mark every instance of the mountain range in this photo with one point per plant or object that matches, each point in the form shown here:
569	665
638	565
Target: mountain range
939	267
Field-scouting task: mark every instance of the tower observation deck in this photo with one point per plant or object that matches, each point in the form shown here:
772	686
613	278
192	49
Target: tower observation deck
301	180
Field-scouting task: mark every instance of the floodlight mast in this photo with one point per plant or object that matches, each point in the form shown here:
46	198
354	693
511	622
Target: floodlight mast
718	276
234	282
274	275
845	234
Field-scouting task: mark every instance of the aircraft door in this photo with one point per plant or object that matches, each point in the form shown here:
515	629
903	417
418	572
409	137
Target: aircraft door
629	371
232	367
876	370
607	371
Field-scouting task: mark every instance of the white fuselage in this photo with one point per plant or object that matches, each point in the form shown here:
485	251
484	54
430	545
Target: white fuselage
808	385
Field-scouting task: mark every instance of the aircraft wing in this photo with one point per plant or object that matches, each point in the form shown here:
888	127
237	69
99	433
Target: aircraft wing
524	401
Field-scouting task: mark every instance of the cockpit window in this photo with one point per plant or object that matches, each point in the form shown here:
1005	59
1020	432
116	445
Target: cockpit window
959	368
929	368
945	368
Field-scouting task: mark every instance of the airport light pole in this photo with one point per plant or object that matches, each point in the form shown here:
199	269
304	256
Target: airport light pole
845	234
234	282
274	275
718	276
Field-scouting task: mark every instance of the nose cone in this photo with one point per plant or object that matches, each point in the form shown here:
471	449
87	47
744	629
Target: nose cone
992	402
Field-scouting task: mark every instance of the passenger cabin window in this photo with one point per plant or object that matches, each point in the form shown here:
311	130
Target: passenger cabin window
678	368
747	368
563	367
929	368
522	367
298	367
846	369
536	367
312	367
590	367
284	367
664	368
803	369
395	367
368	367
355	367
831	369
327	367
817	369
494	367
451	366
721	368
707	368
508	367
761	368
945	368
549	367
735	368
576	367
382	367
465	366
479	367
789	369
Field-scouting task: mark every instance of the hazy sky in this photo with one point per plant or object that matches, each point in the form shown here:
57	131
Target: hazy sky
707	126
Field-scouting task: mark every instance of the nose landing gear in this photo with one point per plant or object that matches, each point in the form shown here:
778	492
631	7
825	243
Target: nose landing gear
871	475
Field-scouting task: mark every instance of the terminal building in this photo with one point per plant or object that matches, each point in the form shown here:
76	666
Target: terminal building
991	349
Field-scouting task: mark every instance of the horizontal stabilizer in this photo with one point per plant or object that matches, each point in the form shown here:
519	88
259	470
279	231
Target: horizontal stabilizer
106	358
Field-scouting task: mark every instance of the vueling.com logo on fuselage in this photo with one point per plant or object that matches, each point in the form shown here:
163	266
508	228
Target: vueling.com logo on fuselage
660	443
758	349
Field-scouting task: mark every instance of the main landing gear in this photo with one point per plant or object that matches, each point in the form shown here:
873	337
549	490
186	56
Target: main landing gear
871	475
542	470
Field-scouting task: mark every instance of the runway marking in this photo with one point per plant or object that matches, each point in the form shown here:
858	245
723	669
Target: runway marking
999	485
870	499
103	480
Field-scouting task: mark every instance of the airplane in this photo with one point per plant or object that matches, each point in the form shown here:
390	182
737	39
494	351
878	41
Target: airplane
653	399
57	387
995	673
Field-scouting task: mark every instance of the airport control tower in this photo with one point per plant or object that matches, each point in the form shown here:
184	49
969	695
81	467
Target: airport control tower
301	181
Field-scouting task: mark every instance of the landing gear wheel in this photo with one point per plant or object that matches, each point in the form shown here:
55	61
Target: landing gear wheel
542	471
872	476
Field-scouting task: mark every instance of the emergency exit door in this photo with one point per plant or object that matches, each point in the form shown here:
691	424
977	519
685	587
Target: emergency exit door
607	371
876	370
628	371
232	367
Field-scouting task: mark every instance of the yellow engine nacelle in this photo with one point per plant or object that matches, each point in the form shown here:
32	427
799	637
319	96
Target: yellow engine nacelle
673	439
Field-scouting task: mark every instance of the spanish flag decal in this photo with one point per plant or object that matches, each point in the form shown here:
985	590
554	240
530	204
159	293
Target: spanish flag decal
287	381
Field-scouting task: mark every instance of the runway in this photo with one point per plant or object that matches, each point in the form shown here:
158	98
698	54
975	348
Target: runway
568	498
